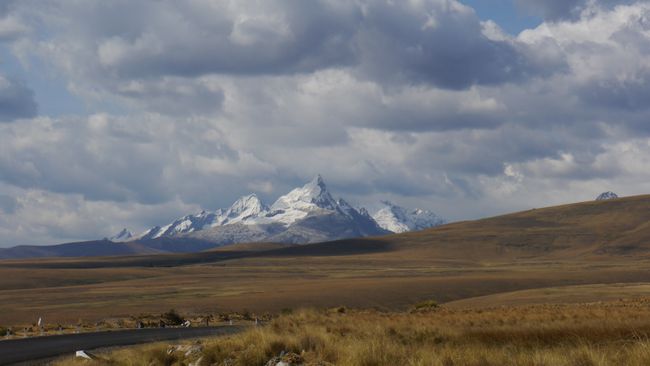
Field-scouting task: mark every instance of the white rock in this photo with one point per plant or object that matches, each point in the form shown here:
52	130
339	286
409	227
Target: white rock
86	355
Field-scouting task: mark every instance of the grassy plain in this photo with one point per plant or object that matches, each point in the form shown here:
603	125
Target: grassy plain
593	243
605	333
272	284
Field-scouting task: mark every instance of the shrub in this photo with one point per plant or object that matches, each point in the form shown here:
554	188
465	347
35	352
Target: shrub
172	318
426	305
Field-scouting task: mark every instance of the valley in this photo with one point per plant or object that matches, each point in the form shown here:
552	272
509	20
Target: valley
593	243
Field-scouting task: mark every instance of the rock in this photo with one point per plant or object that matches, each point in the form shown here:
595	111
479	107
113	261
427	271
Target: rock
86	355
274	361
187	349
289	359
606	196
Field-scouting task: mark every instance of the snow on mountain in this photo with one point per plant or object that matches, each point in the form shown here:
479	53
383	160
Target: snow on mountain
185	224
245	209
123	235
606	196
306	214
398	220
300	202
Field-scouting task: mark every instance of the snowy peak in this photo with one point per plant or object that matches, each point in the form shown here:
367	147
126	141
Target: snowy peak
606	196
392	218
122	236
185	224
306	214
398	220
300	202
245	208
314	193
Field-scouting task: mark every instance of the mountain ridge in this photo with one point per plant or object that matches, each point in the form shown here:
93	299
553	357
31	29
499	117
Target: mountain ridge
304	215
592	230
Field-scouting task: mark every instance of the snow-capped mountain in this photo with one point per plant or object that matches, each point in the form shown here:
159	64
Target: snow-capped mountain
311	198
185	224
398	220
123	235
306	214
245	209
606	196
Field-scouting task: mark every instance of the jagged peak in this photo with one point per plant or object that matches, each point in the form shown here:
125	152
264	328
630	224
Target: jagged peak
316	186
245	208
313	193
343	203
310	200
609	195
318	181
397	219
124	234
248	201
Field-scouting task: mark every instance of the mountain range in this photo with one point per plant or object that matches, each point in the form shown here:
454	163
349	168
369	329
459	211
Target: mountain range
307	214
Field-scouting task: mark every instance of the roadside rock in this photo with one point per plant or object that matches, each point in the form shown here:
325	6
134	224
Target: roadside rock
288	359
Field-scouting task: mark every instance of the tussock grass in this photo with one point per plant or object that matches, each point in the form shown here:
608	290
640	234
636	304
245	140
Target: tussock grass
573	335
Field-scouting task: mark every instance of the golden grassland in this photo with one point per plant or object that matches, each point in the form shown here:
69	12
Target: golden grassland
271	284
612	333
592	243
573	254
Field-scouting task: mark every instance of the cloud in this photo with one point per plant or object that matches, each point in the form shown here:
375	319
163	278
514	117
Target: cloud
149	159
555	10
440	43
419	102
11	28
8	204
16	100
134	39
42	217
11	25
165	95
108	48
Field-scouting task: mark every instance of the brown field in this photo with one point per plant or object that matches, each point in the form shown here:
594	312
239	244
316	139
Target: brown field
612	333
593	243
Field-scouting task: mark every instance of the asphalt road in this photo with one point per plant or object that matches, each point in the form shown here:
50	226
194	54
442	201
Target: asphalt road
28	349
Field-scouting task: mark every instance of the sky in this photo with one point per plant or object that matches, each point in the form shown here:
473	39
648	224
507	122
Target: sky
131	113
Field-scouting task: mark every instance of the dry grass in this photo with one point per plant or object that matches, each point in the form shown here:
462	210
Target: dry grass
593	243
579	334
270	284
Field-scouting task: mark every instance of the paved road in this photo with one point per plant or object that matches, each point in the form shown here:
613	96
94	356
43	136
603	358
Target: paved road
28	349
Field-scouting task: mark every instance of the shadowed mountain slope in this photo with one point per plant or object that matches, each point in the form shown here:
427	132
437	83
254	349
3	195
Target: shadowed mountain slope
94	248
589	230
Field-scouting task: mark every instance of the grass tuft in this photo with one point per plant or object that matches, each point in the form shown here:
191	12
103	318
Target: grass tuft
542	335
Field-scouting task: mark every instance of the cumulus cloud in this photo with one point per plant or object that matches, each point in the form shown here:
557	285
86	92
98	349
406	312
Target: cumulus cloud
42	217
146	159
8	204
555	10
113	46
11	25
419	102
441	43
16	100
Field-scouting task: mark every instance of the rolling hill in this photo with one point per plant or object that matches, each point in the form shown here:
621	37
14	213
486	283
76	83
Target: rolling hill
619	227
602	243
592	229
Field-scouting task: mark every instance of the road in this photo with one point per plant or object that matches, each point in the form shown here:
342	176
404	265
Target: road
29	349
